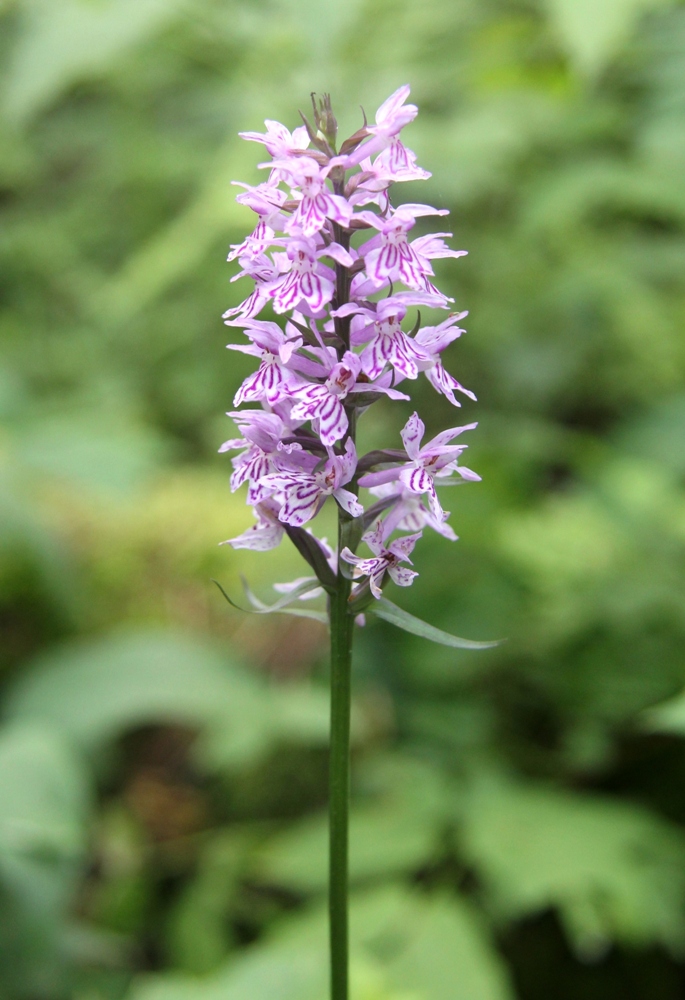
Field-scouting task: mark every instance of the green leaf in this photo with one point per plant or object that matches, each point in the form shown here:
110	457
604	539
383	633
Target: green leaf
44	799
67	41
91	453
281	606
44	809
593	31
199	930
310	550
431	946
94	691
404	946
385	839
389	612
611	869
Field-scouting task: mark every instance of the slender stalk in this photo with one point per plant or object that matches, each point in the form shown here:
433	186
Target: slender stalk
342	624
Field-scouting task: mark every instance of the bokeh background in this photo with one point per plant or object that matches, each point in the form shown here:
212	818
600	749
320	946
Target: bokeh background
518	823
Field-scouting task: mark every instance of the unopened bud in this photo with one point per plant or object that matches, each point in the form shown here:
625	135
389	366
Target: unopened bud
326	122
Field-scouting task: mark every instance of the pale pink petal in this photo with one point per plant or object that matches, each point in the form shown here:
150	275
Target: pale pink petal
348	502
412	434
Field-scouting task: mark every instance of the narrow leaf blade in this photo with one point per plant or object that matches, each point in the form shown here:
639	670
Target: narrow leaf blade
389	612
280	607
309	549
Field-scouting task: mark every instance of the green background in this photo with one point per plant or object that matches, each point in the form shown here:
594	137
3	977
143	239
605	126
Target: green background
518	814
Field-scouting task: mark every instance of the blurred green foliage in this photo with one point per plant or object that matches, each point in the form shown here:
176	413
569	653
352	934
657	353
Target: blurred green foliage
518	814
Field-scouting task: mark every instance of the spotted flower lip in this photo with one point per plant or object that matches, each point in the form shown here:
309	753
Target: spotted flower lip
305	492
385	560
334	320
437	458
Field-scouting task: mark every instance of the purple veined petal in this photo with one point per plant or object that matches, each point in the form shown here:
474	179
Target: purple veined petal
417	210
287	480
253	465
417	480
258	466
446	384
253	388
252	305
285	351
405	356
232	444
349	308
391	105
307	410
348	461
403	547
396	157
315	290
349	556
310	215
365	567
468	474
412	435
333	422
375	538
348	502
288	293
375	356
339	254
390	393
409	267
376	581
257	492
402	575
443	439
260	537
382	477
338	208
301	504
383	264
434	504
436	338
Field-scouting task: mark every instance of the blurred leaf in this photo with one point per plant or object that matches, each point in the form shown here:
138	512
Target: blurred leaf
613	870
96	690
659	435
43	800
433	946
593	31
199	933
44	806
404	947
67	40
91	453
385	839
263	972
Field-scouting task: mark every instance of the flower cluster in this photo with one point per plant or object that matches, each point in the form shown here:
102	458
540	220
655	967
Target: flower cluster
333	256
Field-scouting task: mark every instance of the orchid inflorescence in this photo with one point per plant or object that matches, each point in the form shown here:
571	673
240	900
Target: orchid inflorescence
341	348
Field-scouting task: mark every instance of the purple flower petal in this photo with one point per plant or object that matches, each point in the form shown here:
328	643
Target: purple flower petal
412	435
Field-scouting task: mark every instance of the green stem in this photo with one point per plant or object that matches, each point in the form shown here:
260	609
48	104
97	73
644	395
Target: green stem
342	624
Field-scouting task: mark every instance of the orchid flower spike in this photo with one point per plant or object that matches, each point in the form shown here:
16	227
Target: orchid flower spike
340	282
